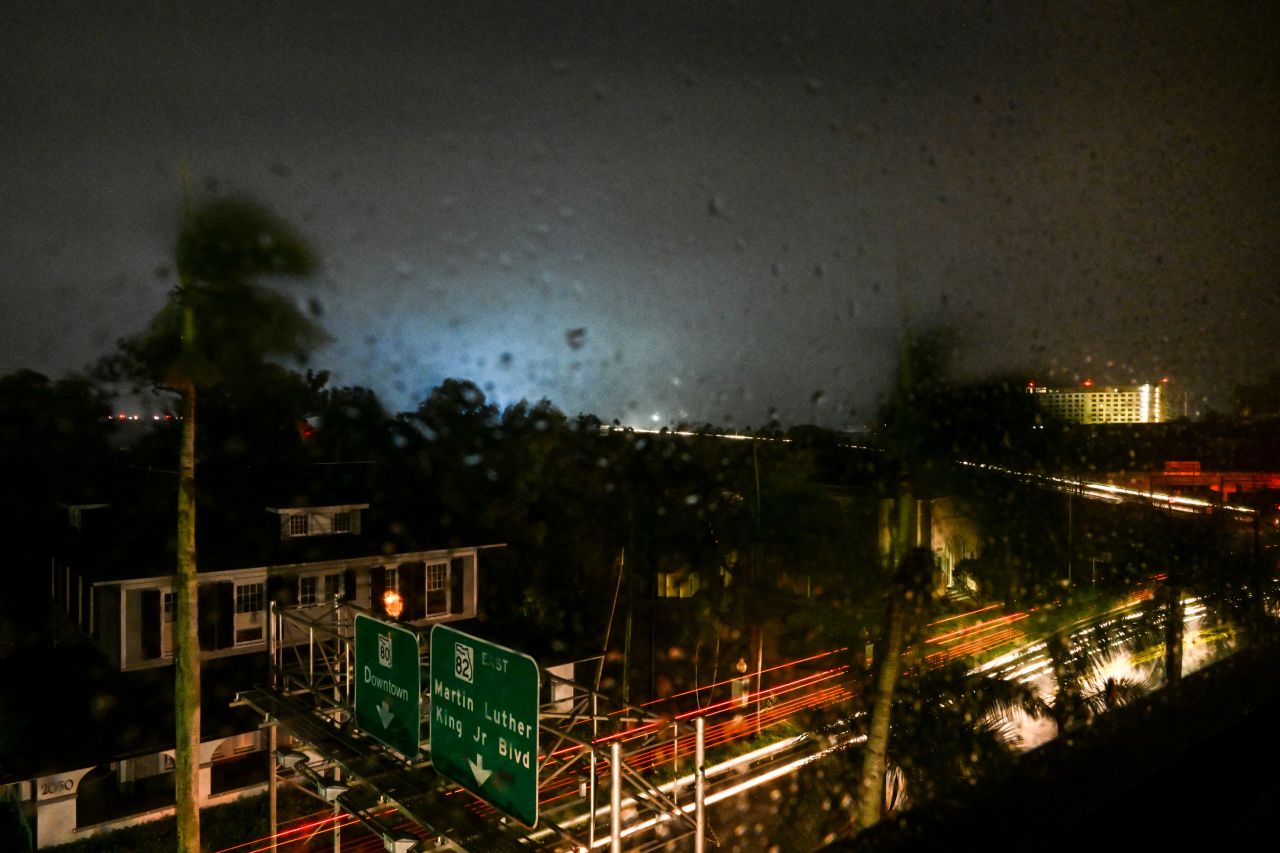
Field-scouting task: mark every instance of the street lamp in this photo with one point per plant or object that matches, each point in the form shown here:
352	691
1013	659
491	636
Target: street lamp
393	603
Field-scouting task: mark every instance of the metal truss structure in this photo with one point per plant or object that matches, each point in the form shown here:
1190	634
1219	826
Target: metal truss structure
594	754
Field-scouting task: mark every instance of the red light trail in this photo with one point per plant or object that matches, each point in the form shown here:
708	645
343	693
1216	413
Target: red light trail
728	720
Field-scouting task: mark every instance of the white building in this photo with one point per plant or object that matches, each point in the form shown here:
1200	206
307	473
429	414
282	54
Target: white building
110	578
1103	404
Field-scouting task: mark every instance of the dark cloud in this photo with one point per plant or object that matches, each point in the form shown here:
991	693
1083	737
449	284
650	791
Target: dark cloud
742	202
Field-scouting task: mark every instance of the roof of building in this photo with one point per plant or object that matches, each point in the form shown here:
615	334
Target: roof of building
133	530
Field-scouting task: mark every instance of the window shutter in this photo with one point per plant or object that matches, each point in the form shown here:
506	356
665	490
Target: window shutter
377	586
207	606
226	624
217	603
349	585
283	590
151	623
413	588
457	591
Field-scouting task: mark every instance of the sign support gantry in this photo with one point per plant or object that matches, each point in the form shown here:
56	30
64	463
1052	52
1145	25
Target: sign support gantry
312	694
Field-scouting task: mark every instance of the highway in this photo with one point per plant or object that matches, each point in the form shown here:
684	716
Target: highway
789	691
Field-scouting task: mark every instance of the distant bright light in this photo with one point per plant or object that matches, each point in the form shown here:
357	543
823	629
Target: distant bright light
655	417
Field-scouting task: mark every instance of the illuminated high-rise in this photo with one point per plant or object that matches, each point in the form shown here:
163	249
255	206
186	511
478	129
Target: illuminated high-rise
1090	403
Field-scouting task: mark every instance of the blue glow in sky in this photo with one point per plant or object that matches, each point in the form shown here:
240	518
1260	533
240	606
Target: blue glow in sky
740	204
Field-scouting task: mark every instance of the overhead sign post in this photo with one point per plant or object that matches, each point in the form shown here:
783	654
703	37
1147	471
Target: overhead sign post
388	684
484	720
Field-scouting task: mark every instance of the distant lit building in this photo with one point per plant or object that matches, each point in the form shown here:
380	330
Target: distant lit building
1104	404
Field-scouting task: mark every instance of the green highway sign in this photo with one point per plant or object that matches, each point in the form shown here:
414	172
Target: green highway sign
484	721
388	684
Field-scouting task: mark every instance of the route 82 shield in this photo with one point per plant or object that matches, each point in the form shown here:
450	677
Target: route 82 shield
463	662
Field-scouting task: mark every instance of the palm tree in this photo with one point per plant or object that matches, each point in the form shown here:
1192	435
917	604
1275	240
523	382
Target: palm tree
217	326
906	436
960	727
907	597
1081	688
1195	556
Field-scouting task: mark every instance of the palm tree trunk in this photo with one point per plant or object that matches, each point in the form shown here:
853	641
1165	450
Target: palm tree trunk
875	751
186	693
186	688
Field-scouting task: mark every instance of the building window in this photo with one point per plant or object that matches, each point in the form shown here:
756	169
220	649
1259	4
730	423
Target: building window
249	598
307	591
333	586
319	589
248	620
393	579
298	524
342	521
168	616
437	576
437	588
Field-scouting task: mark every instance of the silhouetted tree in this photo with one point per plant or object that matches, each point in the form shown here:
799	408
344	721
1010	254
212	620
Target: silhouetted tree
219	326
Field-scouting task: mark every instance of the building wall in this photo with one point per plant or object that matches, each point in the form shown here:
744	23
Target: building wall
1104	404
58	797
126	631
107	611
955	536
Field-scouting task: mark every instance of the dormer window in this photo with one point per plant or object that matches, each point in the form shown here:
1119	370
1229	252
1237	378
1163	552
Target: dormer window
297	522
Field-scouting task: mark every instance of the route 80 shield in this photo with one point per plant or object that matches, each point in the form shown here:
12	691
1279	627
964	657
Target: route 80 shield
388	684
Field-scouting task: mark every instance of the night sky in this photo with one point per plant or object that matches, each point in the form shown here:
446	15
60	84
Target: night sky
667	211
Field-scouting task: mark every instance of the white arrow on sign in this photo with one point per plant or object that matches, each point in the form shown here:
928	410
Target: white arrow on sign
385	713
477	769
